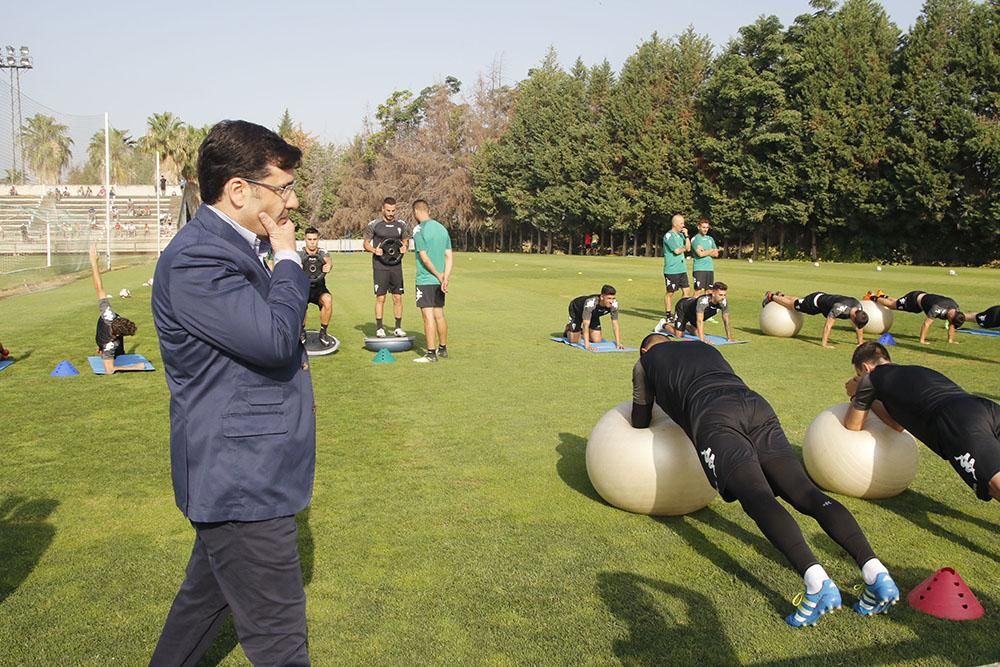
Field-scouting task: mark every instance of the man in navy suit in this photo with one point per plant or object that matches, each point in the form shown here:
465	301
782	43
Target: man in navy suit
242	417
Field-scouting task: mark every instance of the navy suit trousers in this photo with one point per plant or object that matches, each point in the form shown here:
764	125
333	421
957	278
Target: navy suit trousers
248	569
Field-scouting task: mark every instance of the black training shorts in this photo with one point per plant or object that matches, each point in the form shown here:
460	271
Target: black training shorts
968	437
387	279
430	296
989	318
316	290
703	279
675	281
735	427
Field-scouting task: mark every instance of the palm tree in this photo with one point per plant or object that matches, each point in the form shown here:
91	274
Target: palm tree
13	176
187	154
47	146
121	146
166	134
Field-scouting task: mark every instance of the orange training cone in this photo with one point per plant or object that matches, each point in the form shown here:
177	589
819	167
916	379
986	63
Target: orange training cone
945	595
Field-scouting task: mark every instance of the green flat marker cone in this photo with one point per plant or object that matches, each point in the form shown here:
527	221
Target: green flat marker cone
383	357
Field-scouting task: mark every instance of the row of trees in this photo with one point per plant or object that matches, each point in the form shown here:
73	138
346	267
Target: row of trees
837	136
48	149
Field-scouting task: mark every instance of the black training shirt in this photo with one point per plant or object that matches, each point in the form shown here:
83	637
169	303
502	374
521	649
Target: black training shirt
937	306
836	305
676	374
913	395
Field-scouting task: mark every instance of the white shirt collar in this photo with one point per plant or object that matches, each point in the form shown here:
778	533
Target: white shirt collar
247	235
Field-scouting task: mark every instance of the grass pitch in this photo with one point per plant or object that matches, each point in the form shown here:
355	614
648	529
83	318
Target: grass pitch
453	521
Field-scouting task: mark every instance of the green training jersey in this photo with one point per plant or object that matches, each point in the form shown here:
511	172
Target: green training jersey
705	243
431	237
673	263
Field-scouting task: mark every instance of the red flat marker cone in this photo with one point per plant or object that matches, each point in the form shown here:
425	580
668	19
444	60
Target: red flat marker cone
945	595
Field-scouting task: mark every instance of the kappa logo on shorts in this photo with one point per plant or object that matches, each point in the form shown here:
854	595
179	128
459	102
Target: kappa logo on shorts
419	294
968	464
709	460
376	288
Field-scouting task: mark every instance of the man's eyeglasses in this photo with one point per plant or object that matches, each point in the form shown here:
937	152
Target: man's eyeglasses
283	191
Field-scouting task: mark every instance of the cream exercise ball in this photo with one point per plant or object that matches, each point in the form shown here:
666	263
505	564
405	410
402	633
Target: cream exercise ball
776	320
651	470
879	317
876	462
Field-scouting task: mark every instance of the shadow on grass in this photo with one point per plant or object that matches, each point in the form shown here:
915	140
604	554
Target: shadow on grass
572	465
25	534
917	508
963	643
22	355
703	546
931	349
227	640
654	639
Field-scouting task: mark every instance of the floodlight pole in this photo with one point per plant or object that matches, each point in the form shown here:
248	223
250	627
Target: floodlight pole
13	131
107	187
156	189
16	63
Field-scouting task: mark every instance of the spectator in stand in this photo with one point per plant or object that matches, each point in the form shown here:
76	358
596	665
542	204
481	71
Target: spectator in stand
65	191
13	191
163	185
24	231
90	193
102	192
79	191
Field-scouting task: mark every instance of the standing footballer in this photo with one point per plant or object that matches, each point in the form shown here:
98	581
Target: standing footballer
386	239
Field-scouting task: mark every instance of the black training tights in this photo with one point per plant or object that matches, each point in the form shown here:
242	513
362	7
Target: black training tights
755	486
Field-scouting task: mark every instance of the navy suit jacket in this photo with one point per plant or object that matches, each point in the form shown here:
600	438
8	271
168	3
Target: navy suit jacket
242	418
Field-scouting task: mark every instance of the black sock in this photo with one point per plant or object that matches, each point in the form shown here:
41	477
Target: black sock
322	328
378	322
399	322
432	354
442	347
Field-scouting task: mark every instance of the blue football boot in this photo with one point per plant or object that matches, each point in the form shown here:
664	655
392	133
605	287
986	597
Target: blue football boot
878	597
810	606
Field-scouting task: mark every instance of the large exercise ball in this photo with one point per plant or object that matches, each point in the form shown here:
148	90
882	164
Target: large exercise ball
875	462
879	317
776	320
651	470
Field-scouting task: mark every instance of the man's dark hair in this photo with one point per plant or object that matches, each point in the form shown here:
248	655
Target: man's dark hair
645	342
311	230
391	201
122	326
238	149
958	319
720	285
421	205
869	353
608	289
860	319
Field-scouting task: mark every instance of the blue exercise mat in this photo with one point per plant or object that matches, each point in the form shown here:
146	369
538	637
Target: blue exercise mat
603	346
97	364
709	338
980	332
5	363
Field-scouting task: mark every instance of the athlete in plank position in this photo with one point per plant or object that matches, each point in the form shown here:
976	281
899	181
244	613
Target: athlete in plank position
831	306
961	428
747	457
933	306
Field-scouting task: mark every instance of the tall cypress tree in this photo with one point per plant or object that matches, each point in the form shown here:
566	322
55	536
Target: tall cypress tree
946	147
839	80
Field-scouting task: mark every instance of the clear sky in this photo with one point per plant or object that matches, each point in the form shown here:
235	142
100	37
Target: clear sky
331	62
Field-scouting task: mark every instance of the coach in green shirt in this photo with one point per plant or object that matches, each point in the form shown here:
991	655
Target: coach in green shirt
703	248
675	244
434	262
